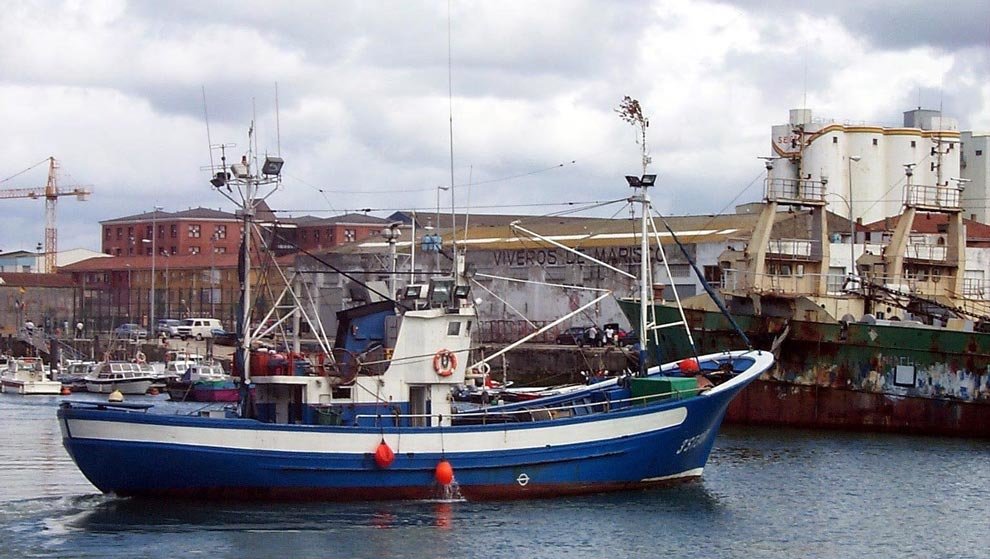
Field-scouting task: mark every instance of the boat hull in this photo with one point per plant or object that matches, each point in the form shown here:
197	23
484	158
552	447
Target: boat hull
133	387
859	376
139	454
43	387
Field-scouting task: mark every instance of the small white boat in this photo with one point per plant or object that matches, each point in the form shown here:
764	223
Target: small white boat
175	364
125	376
74	375
29	375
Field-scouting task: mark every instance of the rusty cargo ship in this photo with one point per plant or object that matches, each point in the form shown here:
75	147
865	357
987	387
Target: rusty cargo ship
898	340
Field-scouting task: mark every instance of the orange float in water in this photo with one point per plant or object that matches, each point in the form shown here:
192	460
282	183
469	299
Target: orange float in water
384	455
444	473
688	366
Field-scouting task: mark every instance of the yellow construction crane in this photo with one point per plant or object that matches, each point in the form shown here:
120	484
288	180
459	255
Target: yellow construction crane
50	192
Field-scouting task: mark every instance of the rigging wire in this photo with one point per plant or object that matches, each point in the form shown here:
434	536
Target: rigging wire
363	190
15	175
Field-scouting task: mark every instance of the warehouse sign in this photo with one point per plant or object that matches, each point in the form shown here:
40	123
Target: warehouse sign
615	256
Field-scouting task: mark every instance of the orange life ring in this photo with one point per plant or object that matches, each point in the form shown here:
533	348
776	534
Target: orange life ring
444	362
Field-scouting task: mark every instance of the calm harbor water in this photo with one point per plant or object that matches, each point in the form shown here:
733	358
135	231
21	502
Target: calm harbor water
766	493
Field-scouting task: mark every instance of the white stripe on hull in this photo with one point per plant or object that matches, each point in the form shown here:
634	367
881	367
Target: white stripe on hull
361	442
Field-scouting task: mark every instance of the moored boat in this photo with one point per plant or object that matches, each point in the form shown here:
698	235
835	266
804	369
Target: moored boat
124	376
204	382
28	375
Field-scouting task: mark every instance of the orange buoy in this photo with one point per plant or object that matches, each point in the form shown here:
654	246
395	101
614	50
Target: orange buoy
444	473
688	366
384	455
66	391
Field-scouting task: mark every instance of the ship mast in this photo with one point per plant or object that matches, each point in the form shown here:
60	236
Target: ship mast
242	188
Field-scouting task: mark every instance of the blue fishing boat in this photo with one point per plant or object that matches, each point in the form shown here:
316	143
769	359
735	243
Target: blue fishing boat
377	420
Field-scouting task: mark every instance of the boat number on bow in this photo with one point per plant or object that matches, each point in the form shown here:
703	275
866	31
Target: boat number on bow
444	362
691	442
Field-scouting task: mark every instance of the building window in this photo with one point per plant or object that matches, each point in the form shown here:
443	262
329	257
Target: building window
147	251
876	142
835	139
193	250
979	152
108	234
913	143
349	235
149	232
118	251
713	275
194	231
316	235
172	250
108	251
120	233
220	231
174	231
130	232
161	231
220	250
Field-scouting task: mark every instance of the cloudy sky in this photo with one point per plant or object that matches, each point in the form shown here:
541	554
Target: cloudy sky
115	91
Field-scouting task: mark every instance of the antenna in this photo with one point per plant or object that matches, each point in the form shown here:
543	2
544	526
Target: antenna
278	126
450	112
467	214
206	118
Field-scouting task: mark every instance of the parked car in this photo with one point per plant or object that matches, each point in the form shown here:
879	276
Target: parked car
198	328
575	335
130	331
169	327
223	337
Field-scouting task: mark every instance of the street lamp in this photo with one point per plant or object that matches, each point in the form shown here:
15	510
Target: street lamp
165	256
213	282
151	296
128	291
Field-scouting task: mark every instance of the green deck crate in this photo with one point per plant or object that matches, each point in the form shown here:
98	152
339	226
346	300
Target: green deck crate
663	387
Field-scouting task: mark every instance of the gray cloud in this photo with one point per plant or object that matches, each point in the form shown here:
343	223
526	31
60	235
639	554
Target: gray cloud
363	94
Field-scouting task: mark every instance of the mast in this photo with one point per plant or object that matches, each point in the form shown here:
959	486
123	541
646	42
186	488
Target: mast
242	188
644	263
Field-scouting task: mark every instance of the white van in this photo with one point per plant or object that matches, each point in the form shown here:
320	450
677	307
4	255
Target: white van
198	328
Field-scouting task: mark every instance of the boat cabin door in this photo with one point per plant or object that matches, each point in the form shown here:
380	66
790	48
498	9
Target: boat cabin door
419	406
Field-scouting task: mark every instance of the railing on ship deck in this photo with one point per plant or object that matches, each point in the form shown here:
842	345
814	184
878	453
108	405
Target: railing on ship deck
528	414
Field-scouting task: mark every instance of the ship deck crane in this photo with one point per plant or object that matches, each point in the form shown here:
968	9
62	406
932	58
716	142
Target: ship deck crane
51	193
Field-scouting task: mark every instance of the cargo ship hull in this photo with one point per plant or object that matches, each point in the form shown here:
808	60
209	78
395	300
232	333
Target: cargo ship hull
856	376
